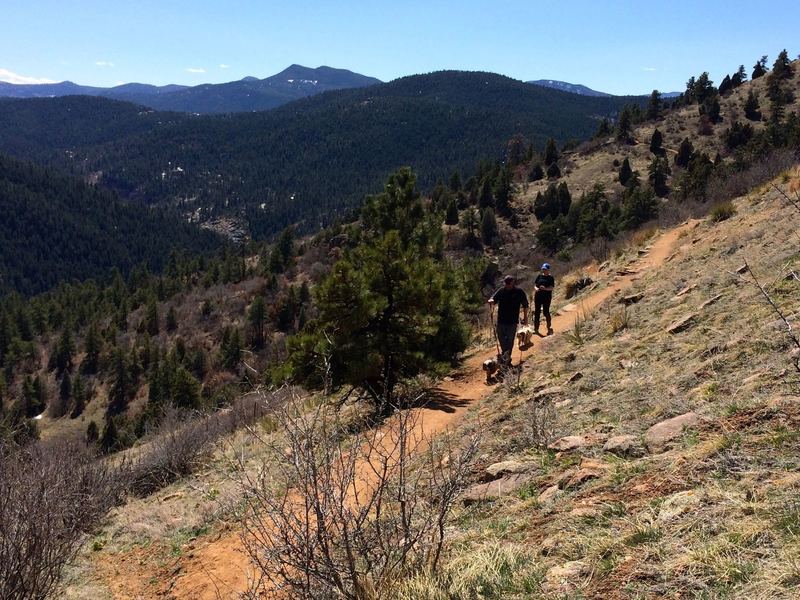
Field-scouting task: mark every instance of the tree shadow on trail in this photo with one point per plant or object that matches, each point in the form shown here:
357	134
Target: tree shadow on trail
438	399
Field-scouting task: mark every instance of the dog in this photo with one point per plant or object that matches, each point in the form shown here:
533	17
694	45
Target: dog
524	335
490	367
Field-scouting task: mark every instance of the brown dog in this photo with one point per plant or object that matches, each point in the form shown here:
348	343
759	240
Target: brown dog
490	367
524	335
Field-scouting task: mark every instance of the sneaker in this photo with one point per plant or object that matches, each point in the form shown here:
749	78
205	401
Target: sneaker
549	331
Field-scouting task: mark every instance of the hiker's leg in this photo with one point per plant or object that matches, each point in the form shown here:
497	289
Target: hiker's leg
537	311
506	335
546	308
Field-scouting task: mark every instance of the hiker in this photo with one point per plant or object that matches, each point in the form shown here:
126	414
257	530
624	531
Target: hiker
542	297
509	299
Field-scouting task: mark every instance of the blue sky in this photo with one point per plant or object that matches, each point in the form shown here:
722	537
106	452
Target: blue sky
617	47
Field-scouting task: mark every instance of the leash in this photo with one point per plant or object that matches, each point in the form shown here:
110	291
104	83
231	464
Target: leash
494	331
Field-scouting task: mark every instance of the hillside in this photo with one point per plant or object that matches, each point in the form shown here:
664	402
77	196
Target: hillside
311	160
246	95
59	229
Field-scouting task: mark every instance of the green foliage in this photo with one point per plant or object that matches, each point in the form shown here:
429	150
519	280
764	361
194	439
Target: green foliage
256	319
737	135
553	172
58	228
489	230
751	107
536	173
172	320
625	171
92	433
385	310
151	316
658	171
230	348
654	106
109	441
722	212
685	153
760	68
122	386
451	216
550	152
639	205
656	141
555	201
624	125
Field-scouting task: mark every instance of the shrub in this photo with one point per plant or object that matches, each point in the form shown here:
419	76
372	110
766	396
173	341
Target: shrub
722	212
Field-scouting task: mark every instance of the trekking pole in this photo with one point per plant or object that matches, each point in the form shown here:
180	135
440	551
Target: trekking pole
494	331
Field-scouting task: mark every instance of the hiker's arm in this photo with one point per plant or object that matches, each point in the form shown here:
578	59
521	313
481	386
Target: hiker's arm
524	315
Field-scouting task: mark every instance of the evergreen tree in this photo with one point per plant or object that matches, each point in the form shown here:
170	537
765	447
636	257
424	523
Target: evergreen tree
654	106
451	216
230	348
489	229
711	108
64	350
151	316
172	320
703	88
658	172
470	222
725	85
751	107
485	198
119	393
502	193
624	124
185	389
564	198
604	129
639	205
553	172
685	153
78	398
455	182
256	318
760	68
625	171
782	68
92	433
536	173
109	441
92	345
65	391
739	77
655	143
550	152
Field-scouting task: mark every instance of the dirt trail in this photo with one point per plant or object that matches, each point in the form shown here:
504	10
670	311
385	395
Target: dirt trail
219	567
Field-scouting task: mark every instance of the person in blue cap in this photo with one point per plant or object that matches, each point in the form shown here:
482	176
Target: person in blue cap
542	297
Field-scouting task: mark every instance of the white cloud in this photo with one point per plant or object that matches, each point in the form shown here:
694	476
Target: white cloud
650	69
195	70
104	63
224	66
11	77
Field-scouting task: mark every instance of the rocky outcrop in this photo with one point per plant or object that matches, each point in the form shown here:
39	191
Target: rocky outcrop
660	436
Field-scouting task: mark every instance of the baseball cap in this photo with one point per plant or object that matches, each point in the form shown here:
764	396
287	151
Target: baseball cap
546	266
508	278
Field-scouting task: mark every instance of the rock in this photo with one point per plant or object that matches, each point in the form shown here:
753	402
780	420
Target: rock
627	363
581	476
551	391
551	544
676	505
585	512
566	575
686	290
682	324
627	446
710	301
550	494
568	443
507	467
603	267
569	357
658	437
575	377
486	492
631	299
742	269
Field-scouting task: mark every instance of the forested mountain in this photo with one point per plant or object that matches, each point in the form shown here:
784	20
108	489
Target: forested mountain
57	228
307	161
246	95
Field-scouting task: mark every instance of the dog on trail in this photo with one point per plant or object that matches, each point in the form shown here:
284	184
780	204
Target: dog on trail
524	335
490	367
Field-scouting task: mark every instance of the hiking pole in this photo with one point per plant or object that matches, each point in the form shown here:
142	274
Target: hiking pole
494	330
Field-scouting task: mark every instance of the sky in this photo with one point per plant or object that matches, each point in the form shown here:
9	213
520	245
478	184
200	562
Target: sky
619	47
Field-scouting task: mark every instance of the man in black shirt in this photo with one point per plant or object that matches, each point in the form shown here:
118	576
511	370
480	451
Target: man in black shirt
509	299
542	297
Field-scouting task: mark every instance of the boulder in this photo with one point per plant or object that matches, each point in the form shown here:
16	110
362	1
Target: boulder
574	377
686	290
627	446
486	492
659	437
631	299
710	301
677	504
581	476
569	443
682	324
550	494
567	575
507	467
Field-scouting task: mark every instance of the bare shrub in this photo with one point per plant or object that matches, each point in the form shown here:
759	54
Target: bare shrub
181	444
619	320
337	516
540	424
51	495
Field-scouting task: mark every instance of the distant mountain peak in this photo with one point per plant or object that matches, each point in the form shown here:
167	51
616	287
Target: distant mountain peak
573	88
250	78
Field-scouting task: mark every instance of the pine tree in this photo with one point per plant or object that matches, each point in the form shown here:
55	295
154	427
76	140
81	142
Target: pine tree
502	193
604	129
230	348
625	171
623	132
470	222
172	320
489	229
564	198
658	172
92	433
120	391
725	85
109	441
185	389
685	153
485	198
751	107
760	68
739	77
455	182
536	172
256	318
655	143
61	359
151	316
782	68
92	345
550	152
451	216
654	106
78	398
553	172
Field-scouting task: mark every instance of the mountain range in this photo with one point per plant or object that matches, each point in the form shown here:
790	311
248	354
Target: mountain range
306	161
248	94
582	90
